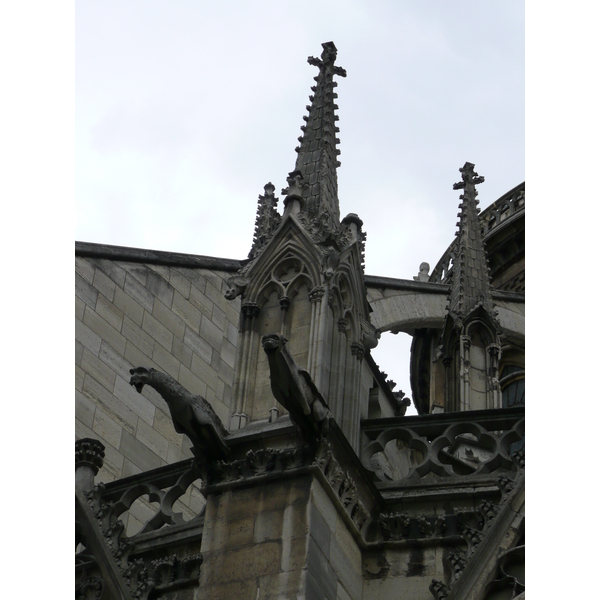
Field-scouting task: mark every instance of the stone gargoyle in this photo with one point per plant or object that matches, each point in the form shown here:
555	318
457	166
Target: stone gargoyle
295	390
192	415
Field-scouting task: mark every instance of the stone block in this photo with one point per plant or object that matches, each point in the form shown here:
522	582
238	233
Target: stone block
111	269
157	330
342	594
137	358
129	306
138	271
166	361
78	352
84	409
293	553
324	505
242	563
192	382
111	405
283	586
139	454
134	288
211	333
174	454
221	533
218	318
143	341
314	591
200	346
232	333
347	571
106	331
160	288
182	353
129	468
84	269
79	308
106	428
186	311
268	525
152	439
163	424
109	312
320	568
104	285
113	461
405	588
87	337
79	377
171	321
180	282
95	368
202	369
85	292
201	301
228	353
238	590
115	360
347	543
319	530
214	290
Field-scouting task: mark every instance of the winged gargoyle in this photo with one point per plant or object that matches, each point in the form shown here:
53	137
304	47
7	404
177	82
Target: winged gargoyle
192	415
295	390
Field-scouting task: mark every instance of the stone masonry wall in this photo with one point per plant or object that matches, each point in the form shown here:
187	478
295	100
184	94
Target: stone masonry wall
174	319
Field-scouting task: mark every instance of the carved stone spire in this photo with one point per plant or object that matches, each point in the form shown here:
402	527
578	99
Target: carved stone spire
317	154
470	285
267	220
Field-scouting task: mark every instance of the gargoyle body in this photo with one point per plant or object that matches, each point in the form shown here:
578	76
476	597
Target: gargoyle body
192	415
295	390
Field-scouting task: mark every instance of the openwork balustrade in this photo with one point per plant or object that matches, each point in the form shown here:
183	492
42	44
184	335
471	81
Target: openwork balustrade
512	203
444	445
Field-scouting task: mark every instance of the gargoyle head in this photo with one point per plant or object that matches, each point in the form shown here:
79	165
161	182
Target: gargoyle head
140	376
272	342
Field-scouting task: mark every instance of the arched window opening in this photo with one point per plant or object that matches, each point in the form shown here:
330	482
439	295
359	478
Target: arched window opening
512	384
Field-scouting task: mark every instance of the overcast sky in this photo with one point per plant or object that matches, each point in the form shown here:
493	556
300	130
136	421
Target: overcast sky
185	110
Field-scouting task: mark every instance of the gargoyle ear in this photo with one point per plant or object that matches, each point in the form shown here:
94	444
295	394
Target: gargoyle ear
284	340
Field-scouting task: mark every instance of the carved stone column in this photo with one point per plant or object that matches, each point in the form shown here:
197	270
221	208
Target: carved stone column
494	352
250	310
465	383
449	402
315	297
89	458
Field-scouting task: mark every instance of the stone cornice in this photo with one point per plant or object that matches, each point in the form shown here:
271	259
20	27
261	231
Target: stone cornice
156	257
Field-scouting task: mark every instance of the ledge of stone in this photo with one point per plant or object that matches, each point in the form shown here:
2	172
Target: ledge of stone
157	257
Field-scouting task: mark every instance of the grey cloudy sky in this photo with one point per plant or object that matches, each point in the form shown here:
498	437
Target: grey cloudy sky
185	110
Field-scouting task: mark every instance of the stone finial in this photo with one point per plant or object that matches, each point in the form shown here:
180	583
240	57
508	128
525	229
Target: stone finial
89	458
267	220
294	200
317	152
423	274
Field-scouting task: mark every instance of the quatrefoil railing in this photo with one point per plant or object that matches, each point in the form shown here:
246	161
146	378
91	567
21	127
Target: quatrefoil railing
445	445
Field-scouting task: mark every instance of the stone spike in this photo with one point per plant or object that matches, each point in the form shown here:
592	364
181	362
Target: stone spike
320	197
471	281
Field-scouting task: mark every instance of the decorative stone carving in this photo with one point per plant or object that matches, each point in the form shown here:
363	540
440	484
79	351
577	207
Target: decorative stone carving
465	448
370	335
295	390
192	415
267	221
250	310
237	284
423	274
89	453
